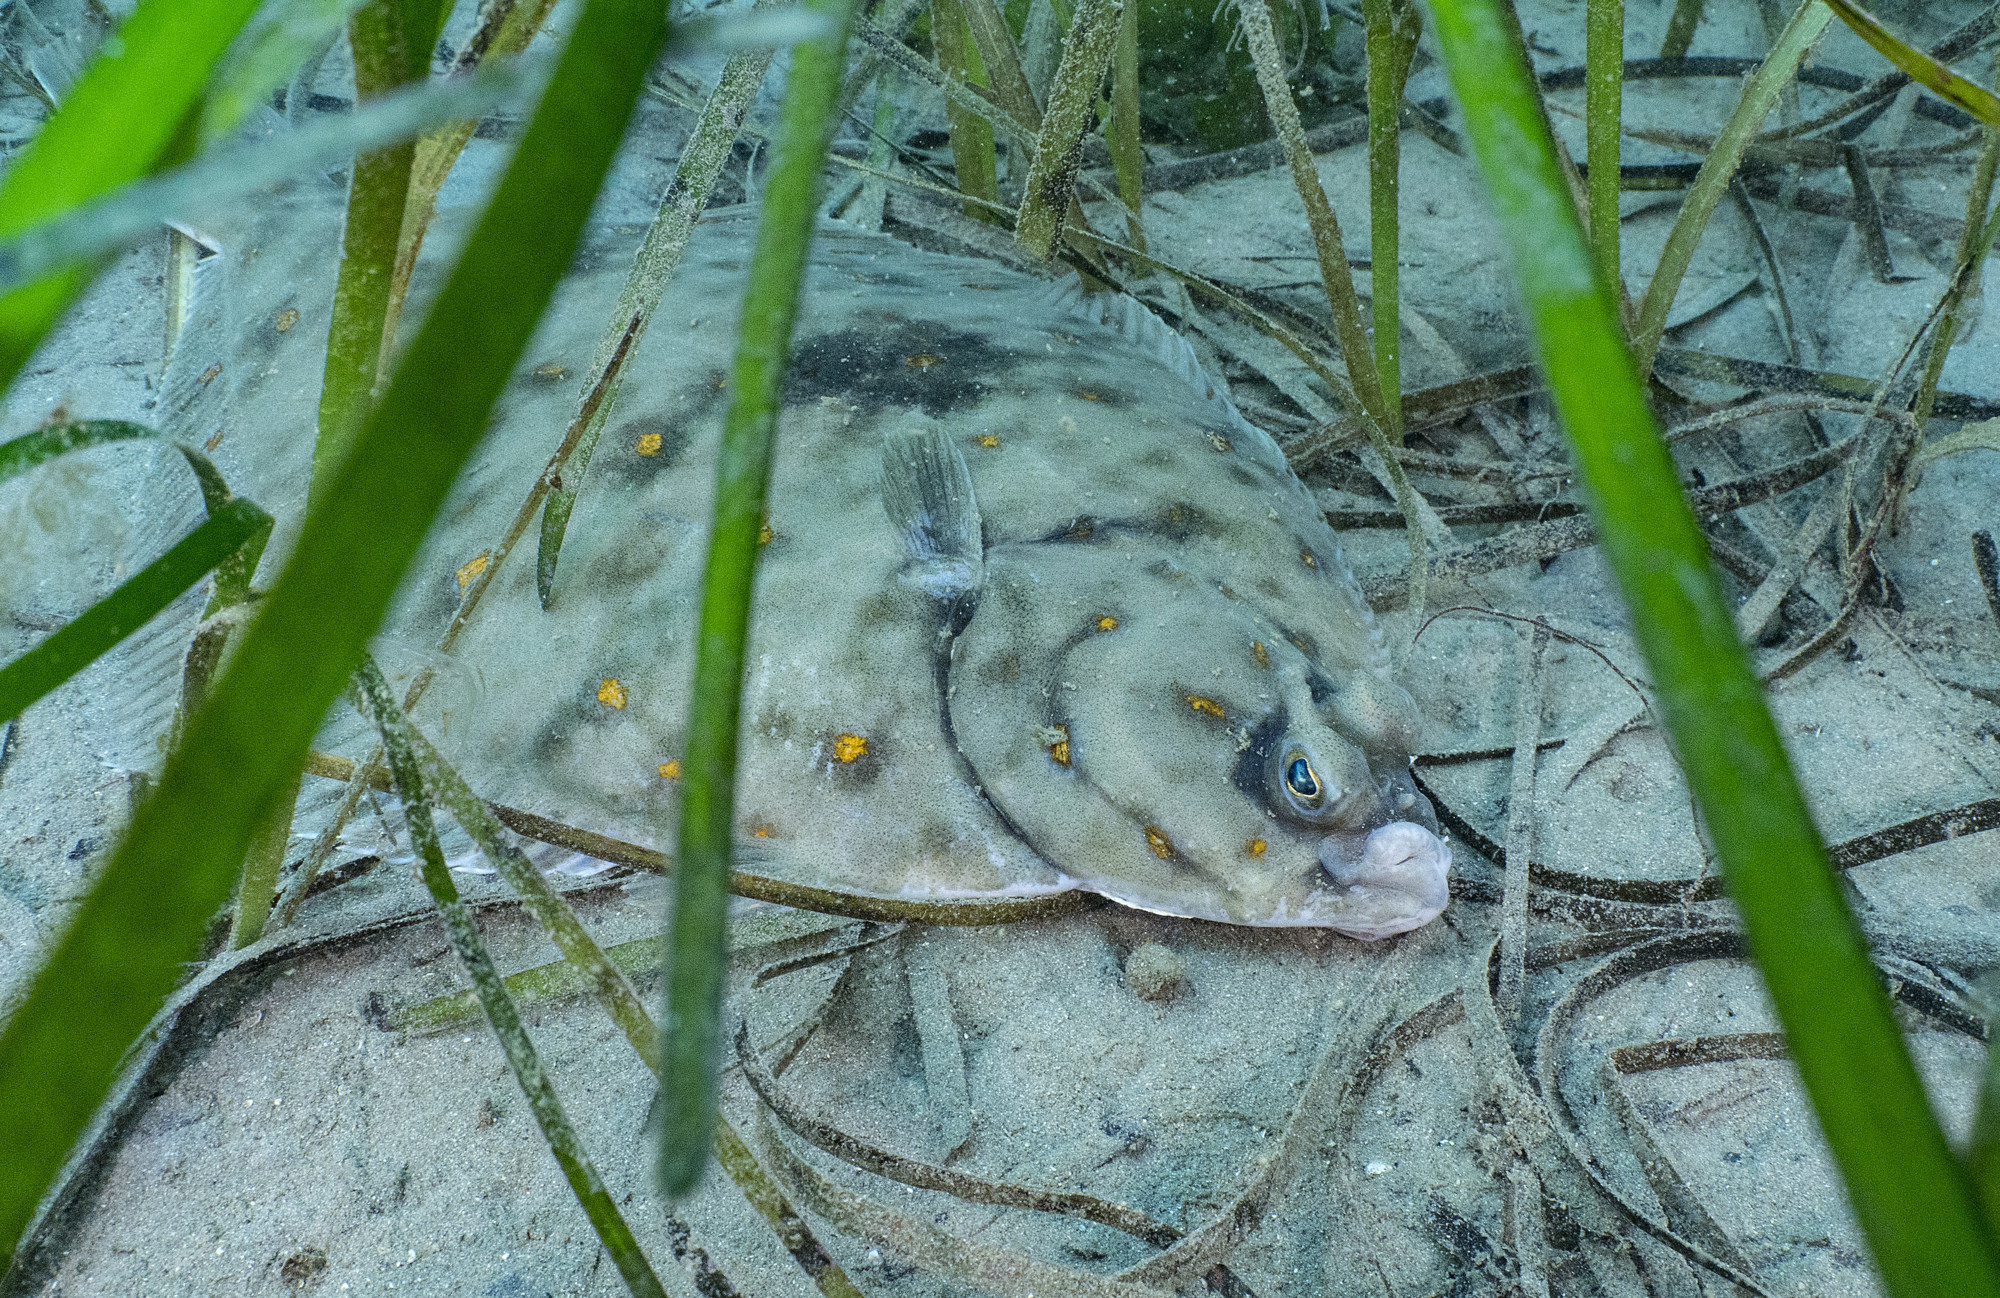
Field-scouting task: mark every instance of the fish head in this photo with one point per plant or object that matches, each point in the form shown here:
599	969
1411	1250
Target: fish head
1381	867
1185	754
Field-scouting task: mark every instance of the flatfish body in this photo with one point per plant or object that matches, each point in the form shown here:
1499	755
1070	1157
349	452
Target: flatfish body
1035	609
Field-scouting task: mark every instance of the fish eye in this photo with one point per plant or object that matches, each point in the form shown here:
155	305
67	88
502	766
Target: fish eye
1303	782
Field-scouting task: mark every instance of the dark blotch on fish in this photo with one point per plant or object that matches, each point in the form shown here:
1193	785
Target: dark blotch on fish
1100	394
868	368
878	610
552	740
1182	521
1084	527
1255	759
623	459
781	724
863	761
254	348
1005	669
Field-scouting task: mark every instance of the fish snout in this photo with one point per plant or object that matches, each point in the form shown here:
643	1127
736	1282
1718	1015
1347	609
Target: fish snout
1396	880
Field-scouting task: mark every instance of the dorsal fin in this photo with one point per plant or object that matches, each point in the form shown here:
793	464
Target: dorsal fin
1134	321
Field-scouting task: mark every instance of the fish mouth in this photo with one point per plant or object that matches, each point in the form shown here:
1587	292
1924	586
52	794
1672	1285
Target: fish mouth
1390	880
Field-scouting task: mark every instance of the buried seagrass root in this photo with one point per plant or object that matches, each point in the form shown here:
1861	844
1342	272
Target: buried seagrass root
1575	530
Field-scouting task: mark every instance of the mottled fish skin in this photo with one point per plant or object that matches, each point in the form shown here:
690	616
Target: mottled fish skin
1157	622
1160	607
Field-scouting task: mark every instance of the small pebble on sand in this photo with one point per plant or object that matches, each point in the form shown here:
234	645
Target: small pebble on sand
1155	973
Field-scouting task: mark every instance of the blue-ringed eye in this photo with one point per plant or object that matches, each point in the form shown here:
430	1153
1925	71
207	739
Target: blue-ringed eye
1301	780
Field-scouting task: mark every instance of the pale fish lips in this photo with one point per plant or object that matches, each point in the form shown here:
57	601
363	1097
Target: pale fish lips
1395	882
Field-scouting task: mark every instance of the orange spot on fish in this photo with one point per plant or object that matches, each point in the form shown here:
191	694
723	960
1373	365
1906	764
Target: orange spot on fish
849	748
923	360
612	693
671	769
986	441
472	568
1260	654
1255	847
1156	838
648	444
1107	623
1204	705
286	319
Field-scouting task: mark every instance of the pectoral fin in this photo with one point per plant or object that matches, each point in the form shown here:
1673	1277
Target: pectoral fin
927	491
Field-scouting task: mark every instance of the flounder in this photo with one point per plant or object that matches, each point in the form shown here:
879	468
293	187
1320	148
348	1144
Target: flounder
1036	609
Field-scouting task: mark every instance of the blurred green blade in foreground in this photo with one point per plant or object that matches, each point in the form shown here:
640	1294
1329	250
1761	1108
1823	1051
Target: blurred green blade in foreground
1912	1197
146	915
226	174
286	38
114	126
698	956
